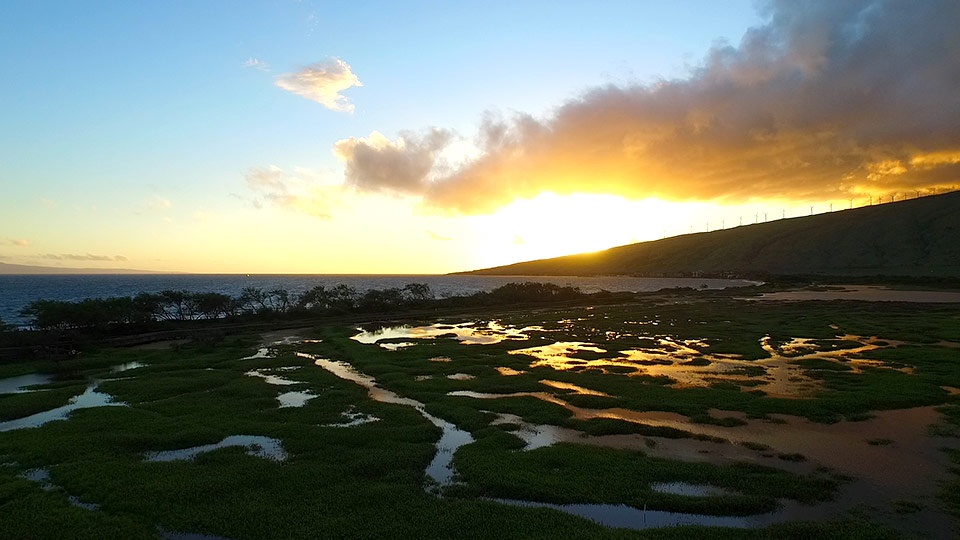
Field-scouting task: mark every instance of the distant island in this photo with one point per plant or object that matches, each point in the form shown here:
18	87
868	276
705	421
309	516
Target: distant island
915	238
14	269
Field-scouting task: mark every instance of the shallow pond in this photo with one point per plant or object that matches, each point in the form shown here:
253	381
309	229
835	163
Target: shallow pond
21	384
42	477
440	469
467	333
256	445
88	399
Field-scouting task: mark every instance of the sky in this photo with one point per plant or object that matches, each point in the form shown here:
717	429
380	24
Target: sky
411	137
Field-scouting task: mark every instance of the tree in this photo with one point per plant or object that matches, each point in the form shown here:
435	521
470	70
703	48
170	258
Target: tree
214	305
179	305
315	299
418	292
253	300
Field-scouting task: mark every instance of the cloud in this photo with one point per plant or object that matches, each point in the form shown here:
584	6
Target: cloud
18	242
824	100
87	257
322	82
256	63
298	190
376	163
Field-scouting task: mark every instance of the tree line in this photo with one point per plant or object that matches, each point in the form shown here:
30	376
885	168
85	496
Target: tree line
182	305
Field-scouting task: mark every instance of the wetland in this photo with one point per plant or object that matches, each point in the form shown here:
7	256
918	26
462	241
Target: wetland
675	414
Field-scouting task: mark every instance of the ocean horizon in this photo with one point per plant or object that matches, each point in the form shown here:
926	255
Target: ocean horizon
19	290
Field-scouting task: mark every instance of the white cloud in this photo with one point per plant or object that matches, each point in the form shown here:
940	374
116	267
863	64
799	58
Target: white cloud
256	63
323	82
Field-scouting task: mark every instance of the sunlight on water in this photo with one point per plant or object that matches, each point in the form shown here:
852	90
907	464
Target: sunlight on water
688	364
466	333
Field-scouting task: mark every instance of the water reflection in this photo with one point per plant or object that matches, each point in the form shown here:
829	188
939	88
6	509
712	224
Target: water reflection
21	384
467	333
353	418
42	476
88	399
627	517
286	399
295	399
688	490
440	469
127	367
785	373
256	445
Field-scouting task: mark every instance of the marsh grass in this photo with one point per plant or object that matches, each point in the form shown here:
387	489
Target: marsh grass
369	480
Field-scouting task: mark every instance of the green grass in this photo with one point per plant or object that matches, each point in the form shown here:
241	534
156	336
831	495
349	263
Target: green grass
369	480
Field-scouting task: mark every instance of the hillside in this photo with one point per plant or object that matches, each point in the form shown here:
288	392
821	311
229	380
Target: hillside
12	269
915	238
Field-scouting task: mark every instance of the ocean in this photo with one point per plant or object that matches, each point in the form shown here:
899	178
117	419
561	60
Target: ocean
17	291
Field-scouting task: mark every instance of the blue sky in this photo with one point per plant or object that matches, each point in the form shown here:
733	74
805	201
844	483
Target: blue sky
156	135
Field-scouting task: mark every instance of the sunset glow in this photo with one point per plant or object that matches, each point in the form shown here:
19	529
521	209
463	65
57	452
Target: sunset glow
316	137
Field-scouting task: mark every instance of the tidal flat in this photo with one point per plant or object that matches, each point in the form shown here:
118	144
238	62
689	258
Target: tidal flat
678	415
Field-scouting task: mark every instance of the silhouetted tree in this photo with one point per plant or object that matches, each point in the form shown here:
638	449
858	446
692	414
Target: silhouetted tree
315	299
342	298
279	300
418	292
381	299
179	305
214	305
49	314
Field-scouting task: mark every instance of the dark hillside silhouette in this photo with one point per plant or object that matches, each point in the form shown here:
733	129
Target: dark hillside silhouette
912	238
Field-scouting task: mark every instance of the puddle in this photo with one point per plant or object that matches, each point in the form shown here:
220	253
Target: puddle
262	352
397	346
627	517
286	399
689	490
509	372
466	333
21	384
88	399
271	379
42	477
536	435
295	399
864	293
452	438
907	469
461	377
120	368
574	388
784	374
256	445
354	418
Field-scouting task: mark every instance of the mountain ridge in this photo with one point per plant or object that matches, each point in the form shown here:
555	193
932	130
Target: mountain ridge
7	269
912	238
